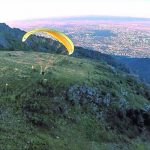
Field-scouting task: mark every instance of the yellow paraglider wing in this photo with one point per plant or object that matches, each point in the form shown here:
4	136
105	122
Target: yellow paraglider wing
61	37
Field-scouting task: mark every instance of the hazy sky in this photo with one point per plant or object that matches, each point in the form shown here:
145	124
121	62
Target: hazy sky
29	9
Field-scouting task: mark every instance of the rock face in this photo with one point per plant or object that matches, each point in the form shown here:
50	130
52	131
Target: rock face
139	117
83	95
131	122
122	118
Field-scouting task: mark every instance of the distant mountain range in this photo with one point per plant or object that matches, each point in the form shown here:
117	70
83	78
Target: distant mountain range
91	18
10	39
28	24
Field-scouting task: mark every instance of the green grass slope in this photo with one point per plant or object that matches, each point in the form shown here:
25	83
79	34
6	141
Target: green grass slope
57	102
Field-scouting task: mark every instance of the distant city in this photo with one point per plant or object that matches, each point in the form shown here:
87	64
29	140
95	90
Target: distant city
128	37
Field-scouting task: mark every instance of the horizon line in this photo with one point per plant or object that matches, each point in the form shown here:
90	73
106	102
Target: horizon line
82	16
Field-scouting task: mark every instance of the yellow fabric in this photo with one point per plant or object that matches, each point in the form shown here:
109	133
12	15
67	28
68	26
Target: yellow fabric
61	37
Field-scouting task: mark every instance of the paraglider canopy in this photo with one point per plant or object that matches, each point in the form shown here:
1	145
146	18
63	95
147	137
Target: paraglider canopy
61	37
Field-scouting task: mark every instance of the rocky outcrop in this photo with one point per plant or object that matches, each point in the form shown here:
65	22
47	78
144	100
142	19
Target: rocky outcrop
129	121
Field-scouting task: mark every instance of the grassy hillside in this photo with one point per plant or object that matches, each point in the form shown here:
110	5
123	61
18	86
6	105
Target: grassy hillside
57	102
